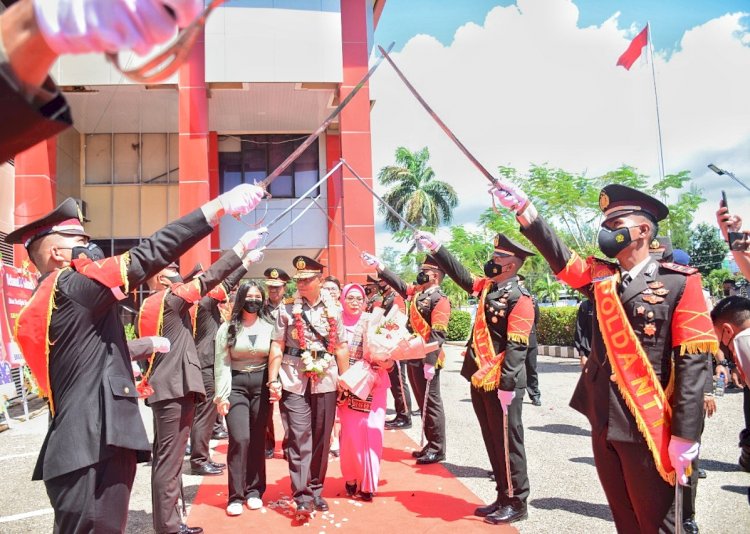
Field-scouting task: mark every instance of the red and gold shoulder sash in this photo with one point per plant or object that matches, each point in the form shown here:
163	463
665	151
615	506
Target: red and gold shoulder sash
417	321
692	329
634	375
150	323
111	272
32	333
489	363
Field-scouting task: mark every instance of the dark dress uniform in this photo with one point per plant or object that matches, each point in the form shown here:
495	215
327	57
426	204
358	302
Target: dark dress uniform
664	306
178	385
505	302
584	325
434	307
96	435
26	123
532	376
205	325
397	374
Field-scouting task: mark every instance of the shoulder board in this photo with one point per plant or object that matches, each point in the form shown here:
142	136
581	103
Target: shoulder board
289	300
524	291
602	261
683	269
438	294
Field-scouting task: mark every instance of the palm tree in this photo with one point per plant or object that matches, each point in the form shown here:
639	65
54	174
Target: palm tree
416	195
548	288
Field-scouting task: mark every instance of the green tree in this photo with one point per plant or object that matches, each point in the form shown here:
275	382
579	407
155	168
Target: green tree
415	193
715	279
707	248
548	289
472	249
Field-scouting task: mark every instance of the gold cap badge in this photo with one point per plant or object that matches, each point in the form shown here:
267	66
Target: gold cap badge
300	264
274	273
603	201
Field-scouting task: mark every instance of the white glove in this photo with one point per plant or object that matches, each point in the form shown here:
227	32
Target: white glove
250	241
83	26
681	453
136	369
161	344
427	241
373	261
509	195
242	199
506	397
254	256
429	372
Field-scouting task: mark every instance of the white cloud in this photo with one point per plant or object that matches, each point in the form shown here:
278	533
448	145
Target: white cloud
530	86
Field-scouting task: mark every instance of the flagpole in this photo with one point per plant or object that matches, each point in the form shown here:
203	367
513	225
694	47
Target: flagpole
656	100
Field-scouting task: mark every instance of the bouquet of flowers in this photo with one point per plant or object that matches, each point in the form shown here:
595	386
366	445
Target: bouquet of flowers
388	339
316	368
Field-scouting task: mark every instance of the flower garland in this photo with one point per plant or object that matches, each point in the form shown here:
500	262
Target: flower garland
316	368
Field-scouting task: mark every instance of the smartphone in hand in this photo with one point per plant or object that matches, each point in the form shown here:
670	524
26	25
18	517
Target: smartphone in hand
724	199
738	241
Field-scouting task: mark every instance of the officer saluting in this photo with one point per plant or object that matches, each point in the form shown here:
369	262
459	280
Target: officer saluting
73	340
642	386
495	365
429	313
308	352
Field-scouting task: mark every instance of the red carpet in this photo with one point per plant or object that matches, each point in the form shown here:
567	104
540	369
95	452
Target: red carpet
411	499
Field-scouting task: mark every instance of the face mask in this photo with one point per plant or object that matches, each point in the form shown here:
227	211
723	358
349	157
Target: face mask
91	251
492	269
422	278
612	242
177	279
252	306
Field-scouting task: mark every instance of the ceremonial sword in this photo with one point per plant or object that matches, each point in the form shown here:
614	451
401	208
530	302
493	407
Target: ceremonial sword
439	121
297	218
677	505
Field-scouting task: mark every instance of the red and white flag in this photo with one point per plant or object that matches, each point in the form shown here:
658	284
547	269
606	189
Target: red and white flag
635	49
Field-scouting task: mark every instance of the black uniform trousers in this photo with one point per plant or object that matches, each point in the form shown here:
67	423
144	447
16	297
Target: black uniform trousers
94	498
400	390
532	377
172	421
204	423
490	415
433	415
246	422
640	500
309	421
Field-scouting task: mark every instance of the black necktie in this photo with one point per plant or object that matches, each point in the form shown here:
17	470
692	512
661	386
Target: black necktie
626	279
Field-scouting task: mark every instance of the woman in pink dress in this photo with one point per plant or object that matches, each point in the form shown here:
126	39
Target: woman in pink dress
362	420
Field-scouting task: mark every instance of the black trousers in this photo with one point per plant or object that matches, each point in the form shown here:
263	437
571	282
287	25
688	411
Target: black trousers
640	500
433	415
532	377
246	422
94	498
204	422
400	390
172	421
309	421
489	412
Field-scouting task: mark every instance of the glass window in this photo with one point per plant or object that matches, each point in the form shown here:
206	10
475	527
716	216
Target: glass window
306	171
278	151
99	159
155	154
127	158
174	158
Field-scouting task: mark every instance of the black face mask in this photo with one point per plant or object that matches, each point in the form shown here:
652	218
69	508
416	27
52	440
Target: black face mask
252	306
91	251
177	279
612	242
422	278
492	269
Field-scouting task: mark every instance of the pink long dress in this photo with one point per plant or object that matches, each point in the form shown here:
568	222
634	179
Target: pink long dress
362	432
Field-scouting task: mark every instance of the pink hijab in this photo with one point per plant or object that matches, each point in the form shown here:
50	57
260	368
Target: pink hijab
350	319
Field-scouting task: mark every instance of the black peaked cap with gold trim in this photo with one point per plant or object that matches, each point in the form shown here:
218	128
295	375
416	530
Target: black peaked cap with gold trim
306	267
430	263
617	200
276	276
505	245
64	219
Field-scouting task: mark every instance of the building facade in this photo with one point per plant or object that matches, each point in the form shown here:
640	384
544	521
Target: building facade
264	74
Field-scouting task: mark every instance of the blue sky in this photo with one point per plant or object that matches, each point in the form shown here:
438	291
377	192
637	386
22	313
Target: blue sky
402	19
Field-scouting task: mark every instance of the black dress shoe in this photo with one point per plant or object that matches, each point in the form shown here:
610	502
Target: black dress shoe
689	526
399	423
206	470
365	496
221	434
536	401
351	489
417	413
430	458
304	511
702	473
217	465
184	529
484	511
508	513
419	453
320	504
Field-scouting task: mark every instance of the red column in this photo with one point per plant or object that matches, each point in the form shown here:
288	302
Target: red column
213	188
194	146
333	256
35	187
355	139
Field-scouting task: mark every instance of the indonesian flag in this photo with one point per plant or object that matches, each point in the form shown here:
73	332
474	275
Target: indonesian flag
634	50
